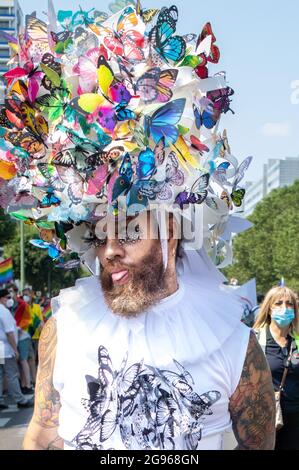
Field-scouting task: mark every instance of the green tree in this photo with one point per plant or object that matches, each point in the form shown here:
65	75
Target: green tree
7	228
270	250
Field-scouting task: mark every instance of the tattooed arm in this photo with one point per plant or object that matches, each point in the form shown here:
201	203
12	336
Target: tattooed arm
42	432
252	406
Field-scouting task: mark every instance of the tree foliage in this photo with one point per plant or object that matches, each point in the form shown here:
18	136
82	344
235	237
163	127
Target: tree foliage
270	250
8	228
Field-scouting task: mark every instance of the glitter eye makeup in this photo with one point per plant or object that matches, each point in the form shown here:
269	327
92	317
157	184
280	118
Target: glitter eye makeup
132	237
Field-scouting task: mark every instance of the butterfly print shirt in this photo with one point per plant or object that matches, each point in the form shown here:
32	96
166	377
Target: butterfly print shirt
159	381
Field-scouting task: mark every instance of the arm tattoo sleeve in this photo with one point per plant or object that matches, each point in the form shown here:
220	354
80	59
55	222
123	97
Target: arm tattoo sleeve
252	406
47	402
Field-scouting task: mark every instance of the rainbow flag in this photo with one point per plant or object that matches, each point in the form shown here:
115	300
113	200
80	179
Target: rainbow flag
6	271
47	312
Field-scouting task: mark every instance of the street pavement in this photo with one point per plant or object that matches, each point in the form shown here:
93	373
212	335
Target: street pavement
13	425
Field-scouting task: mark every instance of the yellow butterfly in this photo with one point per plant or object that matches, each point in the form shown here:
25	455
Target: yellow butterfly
181	150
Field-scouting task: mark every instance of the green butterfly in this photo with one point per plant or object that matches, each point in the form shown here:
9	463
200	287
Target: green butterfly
238	197
54	105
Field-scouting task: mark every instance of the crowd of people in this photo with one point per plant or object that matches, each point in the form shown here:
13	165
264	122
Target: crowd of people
22	317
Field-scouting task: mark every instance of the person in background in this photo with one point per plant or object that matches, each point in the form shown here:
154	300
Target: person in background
37	321
8	364
277	327
20	310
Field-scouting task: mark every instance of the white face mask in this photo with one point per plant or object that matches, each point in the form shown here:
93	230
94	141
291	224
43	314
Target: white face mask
9	303
26	298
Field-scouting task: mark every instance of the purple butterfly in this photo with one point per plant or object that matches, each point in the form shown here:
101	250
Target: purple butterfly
107	118
198	192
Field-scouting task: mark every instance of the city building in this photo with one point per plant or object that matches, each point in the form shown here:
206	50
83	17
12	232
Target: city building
11	18
277	173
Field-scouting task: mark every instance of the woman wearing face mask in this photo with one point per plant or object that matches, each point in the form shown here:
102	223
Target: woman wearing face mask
278	329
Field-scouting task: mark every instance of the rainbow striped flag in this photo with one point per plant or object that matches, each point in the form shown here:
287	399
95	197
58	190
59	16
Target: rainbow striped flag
47	312
6	271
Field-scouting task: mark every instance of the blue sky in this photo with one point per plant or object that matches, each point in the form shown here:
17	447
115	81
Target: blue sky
259	42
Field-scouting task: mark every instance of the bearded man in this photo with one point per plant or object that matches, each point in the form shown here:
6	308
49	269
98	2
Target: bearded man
149	358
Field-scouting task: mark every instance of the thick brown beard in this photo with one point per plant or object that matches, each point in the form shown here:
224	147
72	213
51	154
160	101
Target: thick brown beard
144	289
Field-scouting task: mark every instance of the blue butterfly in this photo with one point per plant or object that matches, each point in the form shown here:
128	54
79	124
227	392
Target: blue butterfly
162	123
168	46
139	192
53	252
124	114
223	166
205	118
49	200
146	165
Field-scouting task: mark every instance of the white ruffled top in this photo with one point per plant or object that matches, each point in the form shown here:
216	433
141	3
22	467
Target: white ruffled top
162	380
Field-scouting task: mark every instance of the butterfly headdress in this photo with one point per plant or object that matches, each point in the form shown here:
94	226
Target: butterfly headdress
104	108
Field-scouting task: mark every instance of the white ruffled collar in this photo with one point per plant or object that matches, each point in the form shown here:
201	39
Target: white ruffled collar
189	325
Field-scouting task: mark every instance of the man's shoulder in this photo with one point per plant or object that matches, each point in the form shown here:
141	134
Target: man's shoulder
4	312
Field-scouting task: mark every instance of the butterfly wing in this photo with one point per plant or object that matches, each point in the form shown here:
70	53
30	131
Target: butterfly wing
166	26
160	152
146	165
74	182
132	51
241	170
108	425
87	103
209	119
168	46
97	181
65	158
40	244
36	29
238	197
166	81
105	75
174	49
52	105
162	122
146	85
198	145
87	75
121	186
200	188
107	118
136	200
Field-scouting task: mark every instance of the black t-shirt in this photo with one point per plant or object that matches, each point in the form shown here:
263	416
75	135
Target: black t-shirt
277	358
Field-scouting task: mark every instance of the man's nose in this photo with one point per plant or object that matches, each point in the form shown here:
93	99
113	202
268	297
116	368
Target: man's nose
113	250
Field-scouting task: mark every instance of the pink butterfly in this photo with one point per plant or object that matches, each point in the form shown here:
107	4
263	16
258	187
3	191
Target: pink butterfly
87	69
125	41
34	77
97	181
